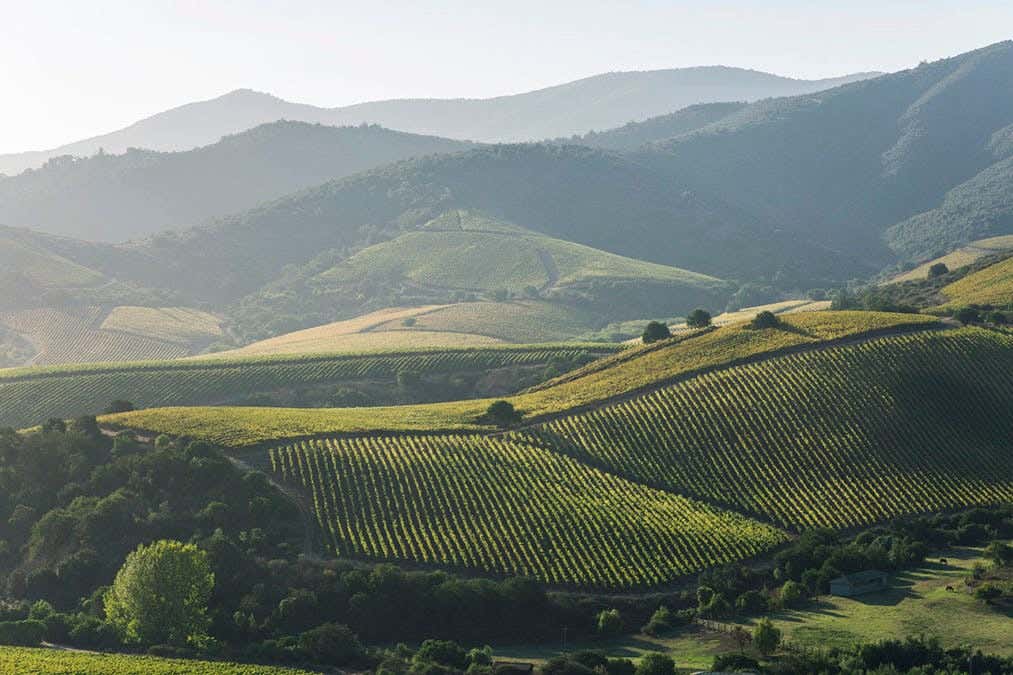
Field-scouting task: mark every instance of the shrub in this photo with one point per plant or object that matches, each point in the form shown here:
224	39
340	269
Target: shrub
442	652
656	664
609	622
660	622
938	270
988	592
698	318
765	319
766	637
966	315
331	643
792	593
655	331
734	663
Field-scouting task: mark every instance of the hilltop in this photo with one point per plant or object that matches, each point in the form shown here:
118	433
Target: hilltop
562	110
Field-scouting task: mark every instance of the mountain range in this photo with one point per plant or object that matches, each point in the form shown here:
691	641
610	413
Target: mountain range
594	103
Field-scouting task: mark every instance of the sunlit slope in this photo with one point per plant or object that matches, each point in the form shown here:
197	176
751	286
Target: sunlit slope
31	395
629	372
990	286
961	257
838	437
504	505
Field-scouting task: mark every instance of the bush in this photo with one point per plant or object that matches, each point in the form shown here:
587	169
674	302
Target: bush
765	319
331	643
609	622
792	594
766	637
698	318
966	315
734	663
660	622
988	592
442	652
28	633
656	664
655	331
938	270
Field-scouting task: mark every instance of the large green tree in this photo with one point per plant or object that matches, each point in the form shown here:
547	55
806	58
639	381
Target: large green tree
161	594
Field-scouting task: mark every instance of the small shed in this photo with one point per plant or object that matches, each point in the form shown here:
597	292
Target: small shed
858	583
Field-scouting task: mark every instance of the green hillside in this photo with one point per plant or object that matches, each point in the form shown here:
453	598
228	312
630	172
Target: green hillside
66	662
116	197
830	419
992	285
506	506
32	395
664	127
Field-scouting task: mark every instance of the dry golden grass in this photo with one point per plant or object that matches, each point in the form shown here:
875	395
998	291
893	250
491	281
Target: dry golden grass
962	257
990	286
172	324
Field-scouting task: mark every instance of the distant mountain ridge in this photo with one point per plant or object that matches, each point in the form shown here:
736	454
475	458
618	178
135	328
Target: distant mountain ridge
118	197
594	103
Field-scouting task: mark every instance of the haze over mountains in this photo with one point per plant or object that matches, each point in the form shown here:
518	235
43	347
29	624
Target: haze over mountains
770	199
594	103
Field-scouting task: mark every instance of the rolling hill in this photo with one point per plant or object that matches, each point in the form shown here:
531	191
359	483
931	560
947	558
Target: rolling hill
113	198
598	102
32	395
886	414
958	258
991	286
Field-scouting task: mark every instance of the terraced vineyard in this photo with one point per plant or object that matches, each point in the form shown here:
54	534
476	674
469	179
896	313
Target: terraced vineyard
992	285
58	662
504	505
31	395
838	437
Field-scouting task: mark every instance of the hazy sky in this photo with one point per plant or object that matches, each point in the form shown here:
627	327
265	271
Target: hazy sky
75	68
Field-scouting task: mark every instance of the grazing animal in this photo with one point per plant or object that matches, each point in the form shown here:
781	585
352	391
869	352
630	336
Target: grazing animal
949	588
942	561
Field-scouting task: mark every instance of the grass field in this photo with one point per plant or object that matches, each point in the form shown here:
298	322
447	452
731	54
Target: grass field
677	358
917	603
505	505
961	257
30	661
30	395
990	286
172	324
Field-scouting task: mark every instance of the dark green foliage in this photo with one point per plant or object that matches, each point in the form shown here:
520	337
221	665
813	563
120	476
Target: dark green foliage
1000	553
734	663
766	637
765	319
333	644
655	331
28	633
609	622
938	270
118	406
698	318
502	414
442	652
656	664
967	315
988	592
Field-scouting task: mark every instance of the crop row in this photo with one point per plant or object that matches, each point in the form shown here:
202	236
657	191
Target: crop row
31	397
839	437
61	662
505	505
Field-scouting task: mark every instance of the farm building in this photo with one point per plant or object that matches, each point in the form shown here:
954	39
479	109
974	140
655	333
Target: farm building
858	583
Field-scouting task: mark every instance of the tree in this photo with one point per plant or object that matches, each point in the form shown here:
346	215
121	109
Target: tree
765	319
656	664
655	331
938	270
988	592
502	413
161	594
966	315
609	622
741	637
766	637
331	643
792	593
698	318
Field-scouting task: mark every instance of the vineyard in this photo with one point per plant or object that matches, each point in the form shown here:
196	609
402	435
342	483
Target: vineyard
645	368
504	505
838	437
56	662
73	336
990	286
35	394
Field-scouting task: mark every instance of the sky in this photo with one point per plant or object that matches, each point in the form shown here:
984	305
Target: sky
70	69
